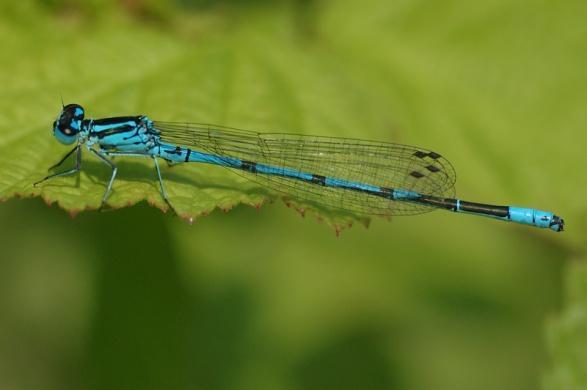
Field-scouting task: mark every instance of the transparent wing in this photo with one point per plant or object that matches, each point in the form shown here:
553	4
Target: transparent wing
381	164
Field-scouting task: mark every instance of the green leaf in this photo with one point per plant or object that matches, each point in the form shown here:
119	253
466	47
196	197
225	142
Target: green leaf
464	81
119	68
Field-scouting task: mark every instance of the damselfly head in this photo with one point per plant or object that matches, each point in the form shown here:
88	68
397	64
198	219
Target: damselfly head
68	124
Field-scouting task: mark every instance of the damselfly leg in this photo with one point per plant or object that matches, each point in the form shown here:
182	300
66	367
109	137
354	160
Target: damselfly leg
114	170
163	192
75	169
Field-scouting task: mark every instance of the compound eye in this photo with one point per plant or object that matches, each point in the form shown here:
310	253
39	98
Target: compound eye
67	131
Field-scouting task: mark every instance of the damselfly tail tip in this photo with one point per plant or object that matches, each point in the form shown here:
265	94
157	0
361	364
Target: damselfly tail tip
557	224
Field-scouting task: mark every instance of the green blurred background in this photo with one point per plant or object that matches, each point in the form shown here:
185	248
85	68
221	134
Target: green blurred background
263	298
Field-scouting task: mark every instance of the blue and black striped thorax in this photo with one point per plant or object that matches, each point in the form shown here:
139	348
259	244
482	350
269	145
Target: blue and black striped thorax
132	134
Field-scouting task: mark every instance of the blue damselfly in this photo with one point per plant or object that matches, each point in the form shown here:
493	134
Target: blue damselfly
363	177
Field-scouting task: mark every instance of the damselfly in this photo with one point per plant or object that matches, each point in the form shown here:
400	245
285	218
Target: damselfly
363	177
